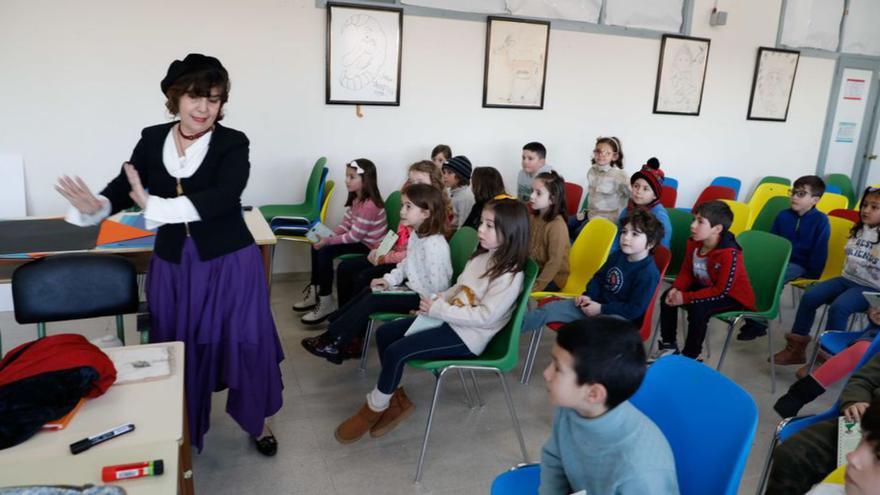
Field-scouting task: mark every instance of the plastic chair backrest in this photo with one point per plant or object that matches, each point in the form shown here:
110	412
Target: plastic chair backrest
766	257
522	480
74	286
392	210
670	182
328	193
573	193
844	183
712	193
740	216
773	179
709	422
588	253
504	346
851	215
461	247
767	215
762	194
840	228
661	261
668	196
831	201
731	182
681	231
831	188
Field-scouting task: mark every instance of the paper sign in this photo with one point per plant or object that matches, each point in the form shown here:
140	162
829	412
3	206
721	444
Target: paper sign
853	89
846	132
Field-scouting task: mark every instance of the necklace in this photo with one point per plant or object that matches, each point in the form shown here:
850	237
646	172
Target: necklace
194	136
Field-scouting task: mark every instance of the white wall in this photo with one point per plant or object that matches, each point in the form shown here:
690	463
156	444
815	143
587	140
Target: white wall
80	79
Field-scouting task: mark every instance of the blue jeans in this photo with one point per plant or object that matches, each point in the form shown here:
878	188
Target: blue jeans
562	311
395	349
792	272
844	296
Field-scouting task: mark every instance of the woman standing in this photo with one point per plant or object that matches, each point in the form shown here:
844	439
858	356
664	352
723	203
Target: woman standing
205	284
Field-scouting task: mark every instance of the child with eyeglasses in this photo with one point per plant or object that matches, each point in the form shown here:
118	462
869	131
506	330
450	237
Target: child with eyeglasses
608	185
808	230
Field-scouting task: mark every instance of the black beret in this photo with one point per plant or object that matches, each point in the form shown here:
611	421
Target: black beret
194	62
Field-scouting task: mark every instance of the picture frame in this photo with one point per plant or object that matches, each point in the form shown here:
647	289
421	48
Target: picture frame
681	75
772	84
515	67
363	54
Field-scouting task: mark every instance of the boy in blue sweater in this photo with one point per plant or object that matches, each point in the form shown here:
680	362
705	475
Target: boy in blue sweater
808	231
623	286
600	442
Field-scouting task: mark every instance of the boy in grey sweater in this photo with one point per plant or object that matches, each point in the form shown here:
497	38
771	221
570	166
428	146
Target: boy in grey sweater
600	442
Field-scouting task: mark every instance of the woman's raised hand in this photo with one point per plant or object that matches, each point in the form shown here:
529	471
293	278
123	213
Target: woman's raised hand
78	194
138	194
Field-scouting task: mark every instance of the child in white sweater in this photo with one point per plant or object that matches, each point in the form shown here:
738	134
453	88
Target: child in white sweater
471	312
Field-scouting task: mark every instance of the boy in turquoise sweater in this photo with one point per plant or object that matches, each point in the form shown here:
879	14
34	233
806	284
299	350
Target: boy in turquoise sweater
600	442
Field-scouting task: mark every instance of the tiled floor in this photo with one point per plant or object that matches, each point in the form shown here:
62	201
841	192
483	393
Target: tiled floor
468	446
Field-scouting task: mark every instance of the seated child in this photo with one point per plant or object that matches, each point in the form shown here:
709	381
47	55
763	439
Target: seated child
426	270
471	312
534	162
361	230
600	442
808	231
812	385
457	178
861	272
712	279
486	184
607	185
647	185
809	455
548	235
623	286
440	154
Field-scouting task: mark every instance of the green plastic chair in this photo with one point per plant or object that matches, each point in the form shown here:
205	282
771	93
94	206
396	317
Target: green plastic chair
766	258
846	186
681	231
767	215
310	208
461	247
773	179
392	218
500	356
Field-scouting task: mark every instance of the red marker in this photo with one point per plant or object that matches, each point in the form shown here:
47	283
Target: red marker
131	471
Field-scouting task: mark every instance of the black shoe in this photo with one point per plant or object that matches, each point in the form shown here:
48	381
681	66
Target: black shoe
663	349
801	393
267	445
325	347
751	331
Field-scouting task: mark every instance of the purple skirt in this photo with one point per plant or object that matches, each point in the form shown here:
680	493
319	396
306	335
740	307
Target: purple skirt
220	310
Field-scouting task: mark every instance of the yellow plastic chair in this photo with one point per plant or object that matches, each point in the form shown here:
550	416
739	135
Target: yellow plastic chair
759	198
588	254
740	216
832	201
840	228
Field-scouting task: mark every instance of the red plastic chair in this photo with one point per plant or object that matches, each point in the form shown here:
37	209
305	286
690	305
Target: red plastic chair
851	215
712	193
668	196
573	193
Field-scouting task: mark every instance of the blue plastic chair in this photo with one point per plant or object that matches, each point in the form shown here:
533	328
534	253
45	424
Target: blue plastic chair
707	460
789	426
831	188
731	182
670	182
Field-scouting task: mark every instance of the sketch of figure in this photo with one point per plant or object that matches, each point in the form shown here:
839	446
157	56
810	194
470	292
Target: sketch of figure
364	52
522	66
685	79
773	85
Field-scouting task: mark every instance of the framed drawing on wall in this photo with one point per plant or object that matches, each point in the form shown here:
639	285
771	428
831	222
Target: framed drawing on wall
681	75
363	54
772	84
515	69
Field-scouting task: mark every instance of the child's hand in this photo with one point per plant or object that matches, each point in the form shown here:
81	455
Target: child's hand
379	283
372	257
582	300
592	309
581	215
321	243
425	305
854	412
674	298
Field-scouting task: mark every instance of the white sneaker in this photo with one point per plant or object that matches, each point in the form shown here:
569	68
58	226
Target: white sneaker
310	298
321	311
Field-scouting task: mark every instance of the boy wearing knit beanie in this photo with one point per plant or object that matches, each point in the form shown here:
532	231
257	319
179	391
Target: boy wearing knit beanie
457	179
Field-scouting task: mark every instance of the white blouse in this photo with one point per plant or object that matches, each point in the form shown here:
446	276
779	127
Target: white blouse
160	211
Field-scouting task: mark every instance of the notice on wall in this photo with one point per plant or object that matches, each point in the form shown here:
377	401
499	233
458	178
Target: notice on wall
854	89
846	132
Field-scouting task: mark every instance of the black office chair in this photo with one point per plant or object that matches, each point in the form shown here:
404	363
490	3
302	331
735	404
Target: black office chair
73	287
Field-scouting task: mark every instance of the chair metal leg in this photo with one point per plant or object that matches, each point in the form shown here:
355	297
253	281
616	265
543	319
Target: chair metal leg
726	342
120	329
814	334
477	389
708	342
428	425
41	330
772	359
519	436
815	354
654	335
531	355
765	472
467	392
365	350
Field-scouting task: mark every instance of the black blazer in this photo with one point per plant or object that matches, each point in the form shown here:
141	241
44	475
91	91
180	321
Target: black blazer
214	189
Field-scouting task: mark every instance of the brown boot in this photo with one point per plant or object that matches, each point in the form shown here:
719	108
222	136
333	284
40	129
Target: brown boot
354	427
795	350
399	409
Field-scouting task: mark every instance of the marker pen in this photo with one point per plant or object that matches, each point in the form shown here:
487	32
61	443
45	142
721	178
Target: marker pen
131	471
87	443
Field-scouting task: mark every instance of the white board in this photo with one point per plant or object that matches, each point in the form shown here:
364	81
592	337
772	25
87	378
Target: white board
657	15
478	6
812	24
569	10
860	28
